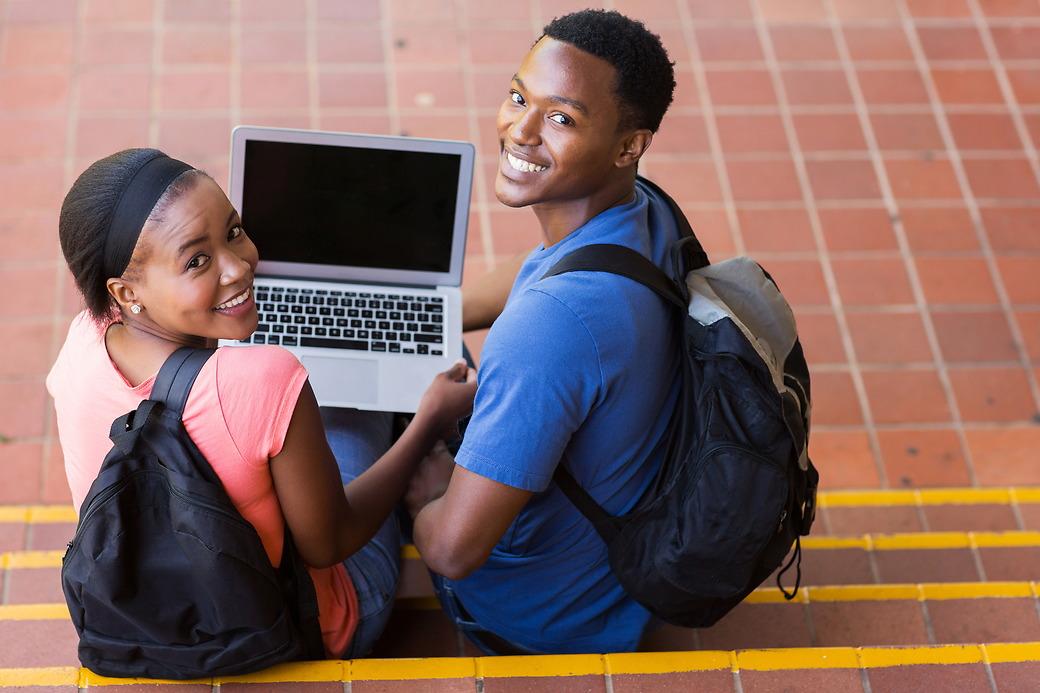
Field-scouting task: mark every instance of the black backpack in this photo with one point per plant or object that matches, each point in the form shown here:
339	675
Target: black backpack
736	489
164	578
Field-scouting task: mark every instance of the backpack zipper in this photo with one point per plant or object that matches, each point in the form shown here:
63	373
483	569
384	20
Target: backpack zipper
101	498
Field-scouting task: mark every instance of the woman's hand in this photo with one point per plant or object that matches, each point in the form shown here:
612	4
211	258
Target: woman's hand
449	398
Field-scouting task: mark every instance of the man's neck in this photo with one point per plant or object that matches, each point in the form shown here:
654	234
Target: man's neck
561	219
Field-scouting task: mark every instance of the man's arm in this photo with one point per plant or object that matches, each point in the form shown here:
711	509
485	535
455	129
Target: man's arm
483	301
455	533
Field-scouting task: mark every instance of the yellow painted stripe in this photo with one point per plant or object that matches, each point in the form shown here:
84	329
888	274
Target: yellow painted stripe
863	593
763	595
33	612
960	496
931	540
1012	652
90	679
52	513
838	499
40	676
411	669
667	662
568	665
836	542
976	590
1026	494
998	539
32	559
798	658
14	513
540	665
879	542
37	513
937	496
771	594
866	497
331	670
875	657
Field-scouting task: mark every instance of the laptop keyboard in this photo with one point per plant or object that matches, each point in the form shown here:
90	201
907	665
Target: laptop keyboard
358	320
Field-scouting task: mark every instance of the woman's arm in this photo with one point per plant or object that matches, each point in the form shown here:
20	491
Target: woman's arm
484	300
330	521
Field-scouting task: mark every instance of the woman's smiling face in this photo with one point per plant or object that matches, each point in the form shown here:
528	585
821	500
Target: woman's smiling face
192	270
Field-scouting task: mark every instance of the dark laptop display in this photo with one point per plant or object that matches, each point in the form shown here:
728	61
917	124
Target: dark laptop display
371	208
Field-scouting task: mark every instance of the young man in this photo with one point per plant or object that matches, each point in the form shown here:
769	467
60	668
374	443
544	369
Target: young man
578	369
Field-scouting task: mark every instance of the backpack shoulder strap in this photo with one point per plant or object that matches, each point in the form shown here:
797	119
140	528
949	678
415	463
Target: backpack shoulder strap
169	393
617	259
177	375
688	253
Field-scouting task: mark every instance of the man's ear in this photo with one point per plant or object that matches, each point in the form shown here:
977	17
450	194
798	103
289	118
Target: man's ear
122	292
634	146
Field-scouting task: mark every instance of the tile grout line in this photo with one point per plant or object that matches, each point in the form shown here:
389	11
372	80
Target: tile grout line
480	206
58	322
823	256
972	205
156	72
393	110
899	230
1014	109
313	65
708	112
236	33
1011	105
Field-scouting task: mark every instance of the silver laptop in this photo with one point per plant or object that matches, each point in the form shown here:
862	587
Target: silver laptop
361	242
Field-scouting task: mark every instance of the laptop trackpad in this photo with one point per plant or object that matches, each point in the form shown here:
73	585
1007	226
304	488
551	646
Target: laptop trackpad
343	379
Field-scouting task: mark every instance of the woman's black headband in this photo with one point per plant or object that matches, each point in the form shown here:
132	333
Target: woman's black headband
135	204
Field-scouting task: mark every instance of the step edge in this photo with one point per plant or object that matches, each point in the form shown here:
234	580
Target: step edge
613	664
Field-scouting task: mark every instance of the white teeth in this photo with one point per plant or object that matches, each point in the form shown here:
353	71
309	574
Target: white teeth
523	165
239	300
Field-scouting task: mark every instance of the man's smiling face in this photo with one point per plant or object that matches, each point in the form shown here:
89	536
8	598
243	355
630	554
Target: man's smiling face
558	129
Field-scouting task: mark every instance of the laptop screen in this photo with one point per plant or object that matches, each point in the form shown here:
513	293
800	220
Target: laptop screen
353	207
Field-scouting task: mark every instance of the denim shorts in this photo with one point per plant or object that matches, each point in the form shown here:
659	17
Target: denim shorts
358	439
486	641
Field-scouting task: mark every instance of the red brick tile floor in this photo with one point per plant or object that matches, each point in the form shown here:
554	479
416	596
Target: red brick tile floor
879	158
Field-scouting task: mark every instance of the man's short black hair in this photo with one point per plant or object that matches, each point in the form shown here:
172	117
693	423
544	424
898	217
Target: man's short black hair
645	75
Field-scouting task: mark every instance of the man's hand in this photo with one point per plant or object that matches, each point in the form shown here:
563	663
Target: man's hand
431	479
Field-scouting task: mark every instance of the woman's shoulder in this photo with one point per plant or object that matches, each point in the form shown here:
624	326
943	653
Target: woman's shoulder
262	378
256	356
257	366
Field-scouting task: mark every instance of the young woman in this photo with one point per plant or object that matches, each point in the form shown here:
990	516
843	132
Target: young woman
162	261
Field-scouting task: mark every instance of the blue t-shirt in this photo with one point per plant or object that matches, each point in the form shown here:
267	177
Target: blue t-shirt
583	368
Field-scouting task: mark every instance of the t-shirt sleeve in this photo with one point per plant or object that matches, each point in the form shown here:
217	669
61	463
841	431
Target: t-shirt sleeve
540	376
258	388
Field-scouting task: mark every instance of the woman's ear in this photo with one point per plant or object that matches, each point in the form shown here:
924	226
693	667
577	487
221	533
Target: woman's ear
634	146
122	292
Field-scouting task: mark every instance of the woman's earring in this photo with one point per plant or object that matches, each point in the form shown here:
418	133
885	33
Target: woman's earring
135	309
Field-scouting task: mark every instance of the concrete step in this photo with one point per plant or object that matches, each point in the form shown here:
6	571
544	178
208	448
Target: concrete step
926	557
838	616
986	668
894	583
841	513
